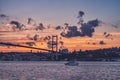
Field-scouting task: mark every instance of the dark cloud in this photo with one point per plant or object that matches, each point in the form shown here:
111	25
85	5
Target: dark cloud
87	29
17	25
102	43
81	13
72	32
88	42
80	16
66	25
50	43
28	37
49	26
47	38
114	25
61	42
94	43
60	38
29	20
58	27
107	35
3	16
40	27
35	37
104	33
30	43
3	19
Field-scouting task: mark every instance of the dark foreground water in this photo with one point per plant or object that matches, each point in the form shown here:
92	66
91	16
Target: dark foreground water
59	71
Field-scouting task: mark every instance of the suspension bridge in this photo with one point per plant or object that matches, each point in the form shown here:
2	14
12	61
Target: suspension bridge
54	51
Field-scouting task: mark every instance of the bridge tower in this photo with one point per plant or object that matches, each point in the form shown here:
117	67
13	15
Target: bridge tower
55	47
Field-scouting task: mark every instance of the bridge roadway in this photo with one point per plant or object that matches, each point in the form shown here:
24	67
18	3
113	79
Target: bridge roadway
10	44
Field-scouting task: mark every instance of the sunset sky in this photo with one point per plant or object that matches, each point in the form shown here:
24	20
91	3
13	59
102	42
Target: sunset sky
53	13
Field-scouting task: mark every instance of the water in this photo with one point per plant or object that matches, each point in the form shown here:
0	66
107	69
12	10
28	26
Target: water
58	71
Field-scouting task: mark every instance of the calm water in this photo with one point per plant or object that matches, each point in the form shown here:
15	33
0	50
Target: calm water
58	71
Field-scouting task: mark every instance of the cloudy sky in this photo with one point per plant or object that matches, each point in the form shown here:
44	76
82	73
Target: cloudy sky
20	23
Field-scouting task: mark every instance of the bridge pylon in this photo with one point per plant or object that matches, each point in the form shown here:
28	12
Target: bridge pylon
55	49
